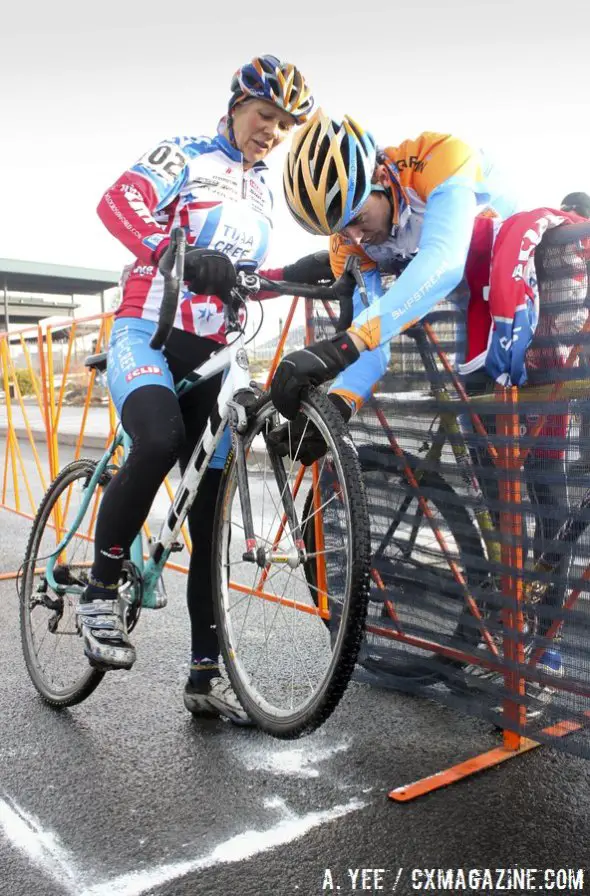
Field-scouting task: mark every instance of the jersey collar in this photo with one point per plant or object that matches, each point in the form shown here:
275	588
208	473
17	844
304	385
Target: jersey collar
399	198
235	154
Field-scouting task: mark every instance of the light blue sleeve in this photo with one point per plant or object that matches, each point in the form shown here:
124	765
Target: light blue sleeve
430	277
436	269
357	380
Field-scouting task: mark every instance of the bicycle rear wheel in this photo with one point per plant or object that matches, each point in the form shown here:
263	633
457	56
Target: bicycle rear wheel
414	591
51	644
287	666
416	563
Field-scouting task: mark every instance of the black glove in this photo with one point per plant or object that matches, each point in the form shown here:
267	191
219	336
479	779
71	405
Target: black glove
344	289
344	286
208	272
301	439
310	269
310	366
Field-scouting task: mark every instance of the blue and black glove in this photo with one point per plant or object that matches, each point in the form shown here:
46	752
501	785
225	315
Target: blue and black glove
310	366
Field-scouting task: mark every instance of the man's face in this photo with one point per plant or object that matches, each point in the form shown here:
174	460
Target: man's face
373	223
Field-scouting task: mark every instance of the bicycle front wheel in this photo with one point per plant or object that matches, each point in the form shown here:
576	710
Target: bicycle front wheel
290	644
52	647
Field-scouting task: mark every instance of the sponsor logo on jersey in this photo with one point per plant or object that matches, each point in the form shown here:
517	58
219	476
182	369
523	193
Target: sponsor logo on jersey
413	162
153	241
222	187
256	189
137	203
144	370
143	270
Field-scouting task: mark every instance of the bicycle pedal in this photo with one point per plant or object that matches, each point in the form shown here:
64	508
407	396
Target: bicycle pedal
176	547
104	667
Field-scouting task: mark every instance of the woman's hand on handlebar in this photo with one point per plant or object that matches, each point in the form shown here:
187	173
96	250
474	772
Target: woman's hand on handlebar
209	272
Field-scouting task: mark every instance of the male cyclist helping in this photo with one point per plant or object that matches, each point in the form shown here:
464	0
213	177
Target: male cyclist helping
428	200
382	206
215	189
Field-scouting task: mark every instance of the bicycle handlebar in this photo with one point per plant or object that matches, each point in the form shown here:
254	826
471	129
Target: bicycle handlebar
172	268
306	291
327	293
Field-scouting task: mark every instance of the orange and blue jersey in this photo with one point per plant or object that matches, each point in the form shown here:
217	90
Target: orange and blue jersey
439	185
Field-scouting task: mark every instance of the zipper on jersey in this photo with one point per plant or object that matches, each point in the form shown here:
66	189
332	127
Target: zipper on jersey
244	186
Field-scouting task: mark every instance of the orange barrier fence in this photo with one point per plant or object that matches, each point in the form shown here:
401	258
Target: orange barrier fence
53	409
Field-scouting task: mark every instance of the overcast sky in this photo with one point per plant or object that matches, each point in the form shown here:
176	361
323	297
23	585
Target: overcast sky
87	89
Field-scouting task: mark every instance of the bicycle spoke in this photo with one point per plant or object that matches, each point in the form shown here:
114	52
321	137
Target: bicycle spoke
282	645
52	647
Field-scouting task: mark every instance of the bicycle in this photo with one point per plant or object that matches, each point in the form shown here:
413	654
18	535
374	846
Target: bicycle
437	604
286	670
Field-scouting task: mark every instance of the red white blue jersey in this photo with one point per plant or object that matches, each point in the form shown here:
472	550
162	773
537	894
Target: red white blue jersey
199	184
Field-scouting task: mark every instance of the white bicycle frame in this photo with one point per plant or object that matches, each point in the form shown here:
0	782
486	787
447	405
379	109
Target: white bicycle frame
234	359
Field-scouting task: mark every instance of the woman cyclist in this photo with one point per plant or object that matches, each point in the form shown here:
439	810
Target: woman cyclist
215	188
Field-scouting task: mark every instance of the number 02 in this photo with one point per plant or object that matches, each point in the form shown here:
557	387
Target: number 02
173	167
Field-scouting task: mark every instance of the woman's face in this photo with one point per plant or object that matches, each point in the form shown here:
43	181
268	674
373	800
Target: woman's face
259	126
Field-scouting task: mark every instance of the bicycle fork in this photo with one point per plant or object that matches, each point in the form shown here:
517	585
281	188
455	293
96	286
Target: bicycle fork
262	555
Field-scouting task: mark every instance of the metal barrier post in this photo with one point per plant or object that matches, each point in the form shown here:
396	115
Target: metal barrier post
10	433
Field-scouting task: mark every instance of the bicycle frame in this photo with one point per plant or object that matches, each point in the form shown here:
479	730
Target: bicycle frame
450	430
229	410
232	358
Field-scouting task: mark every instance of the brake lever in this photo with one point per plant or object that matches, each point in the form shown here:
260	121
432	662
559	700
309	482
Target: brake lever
245	282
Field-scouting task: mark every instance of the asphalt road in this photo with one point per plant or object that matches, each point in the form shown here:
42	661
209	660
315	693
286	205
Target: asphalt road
128	794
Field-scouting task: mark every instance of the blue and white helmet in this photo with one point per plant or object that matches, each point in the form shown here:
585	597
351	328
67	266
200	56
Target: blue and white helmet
267	78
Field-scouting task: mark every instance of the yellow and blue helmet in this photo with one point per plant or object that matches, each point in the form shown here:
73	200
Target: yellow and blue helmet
328	171
267	78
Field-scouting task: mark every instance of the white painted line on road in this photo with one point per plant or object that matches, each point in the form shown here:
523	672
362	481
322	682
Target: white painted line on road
45	851
297	761
236	849
41	847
